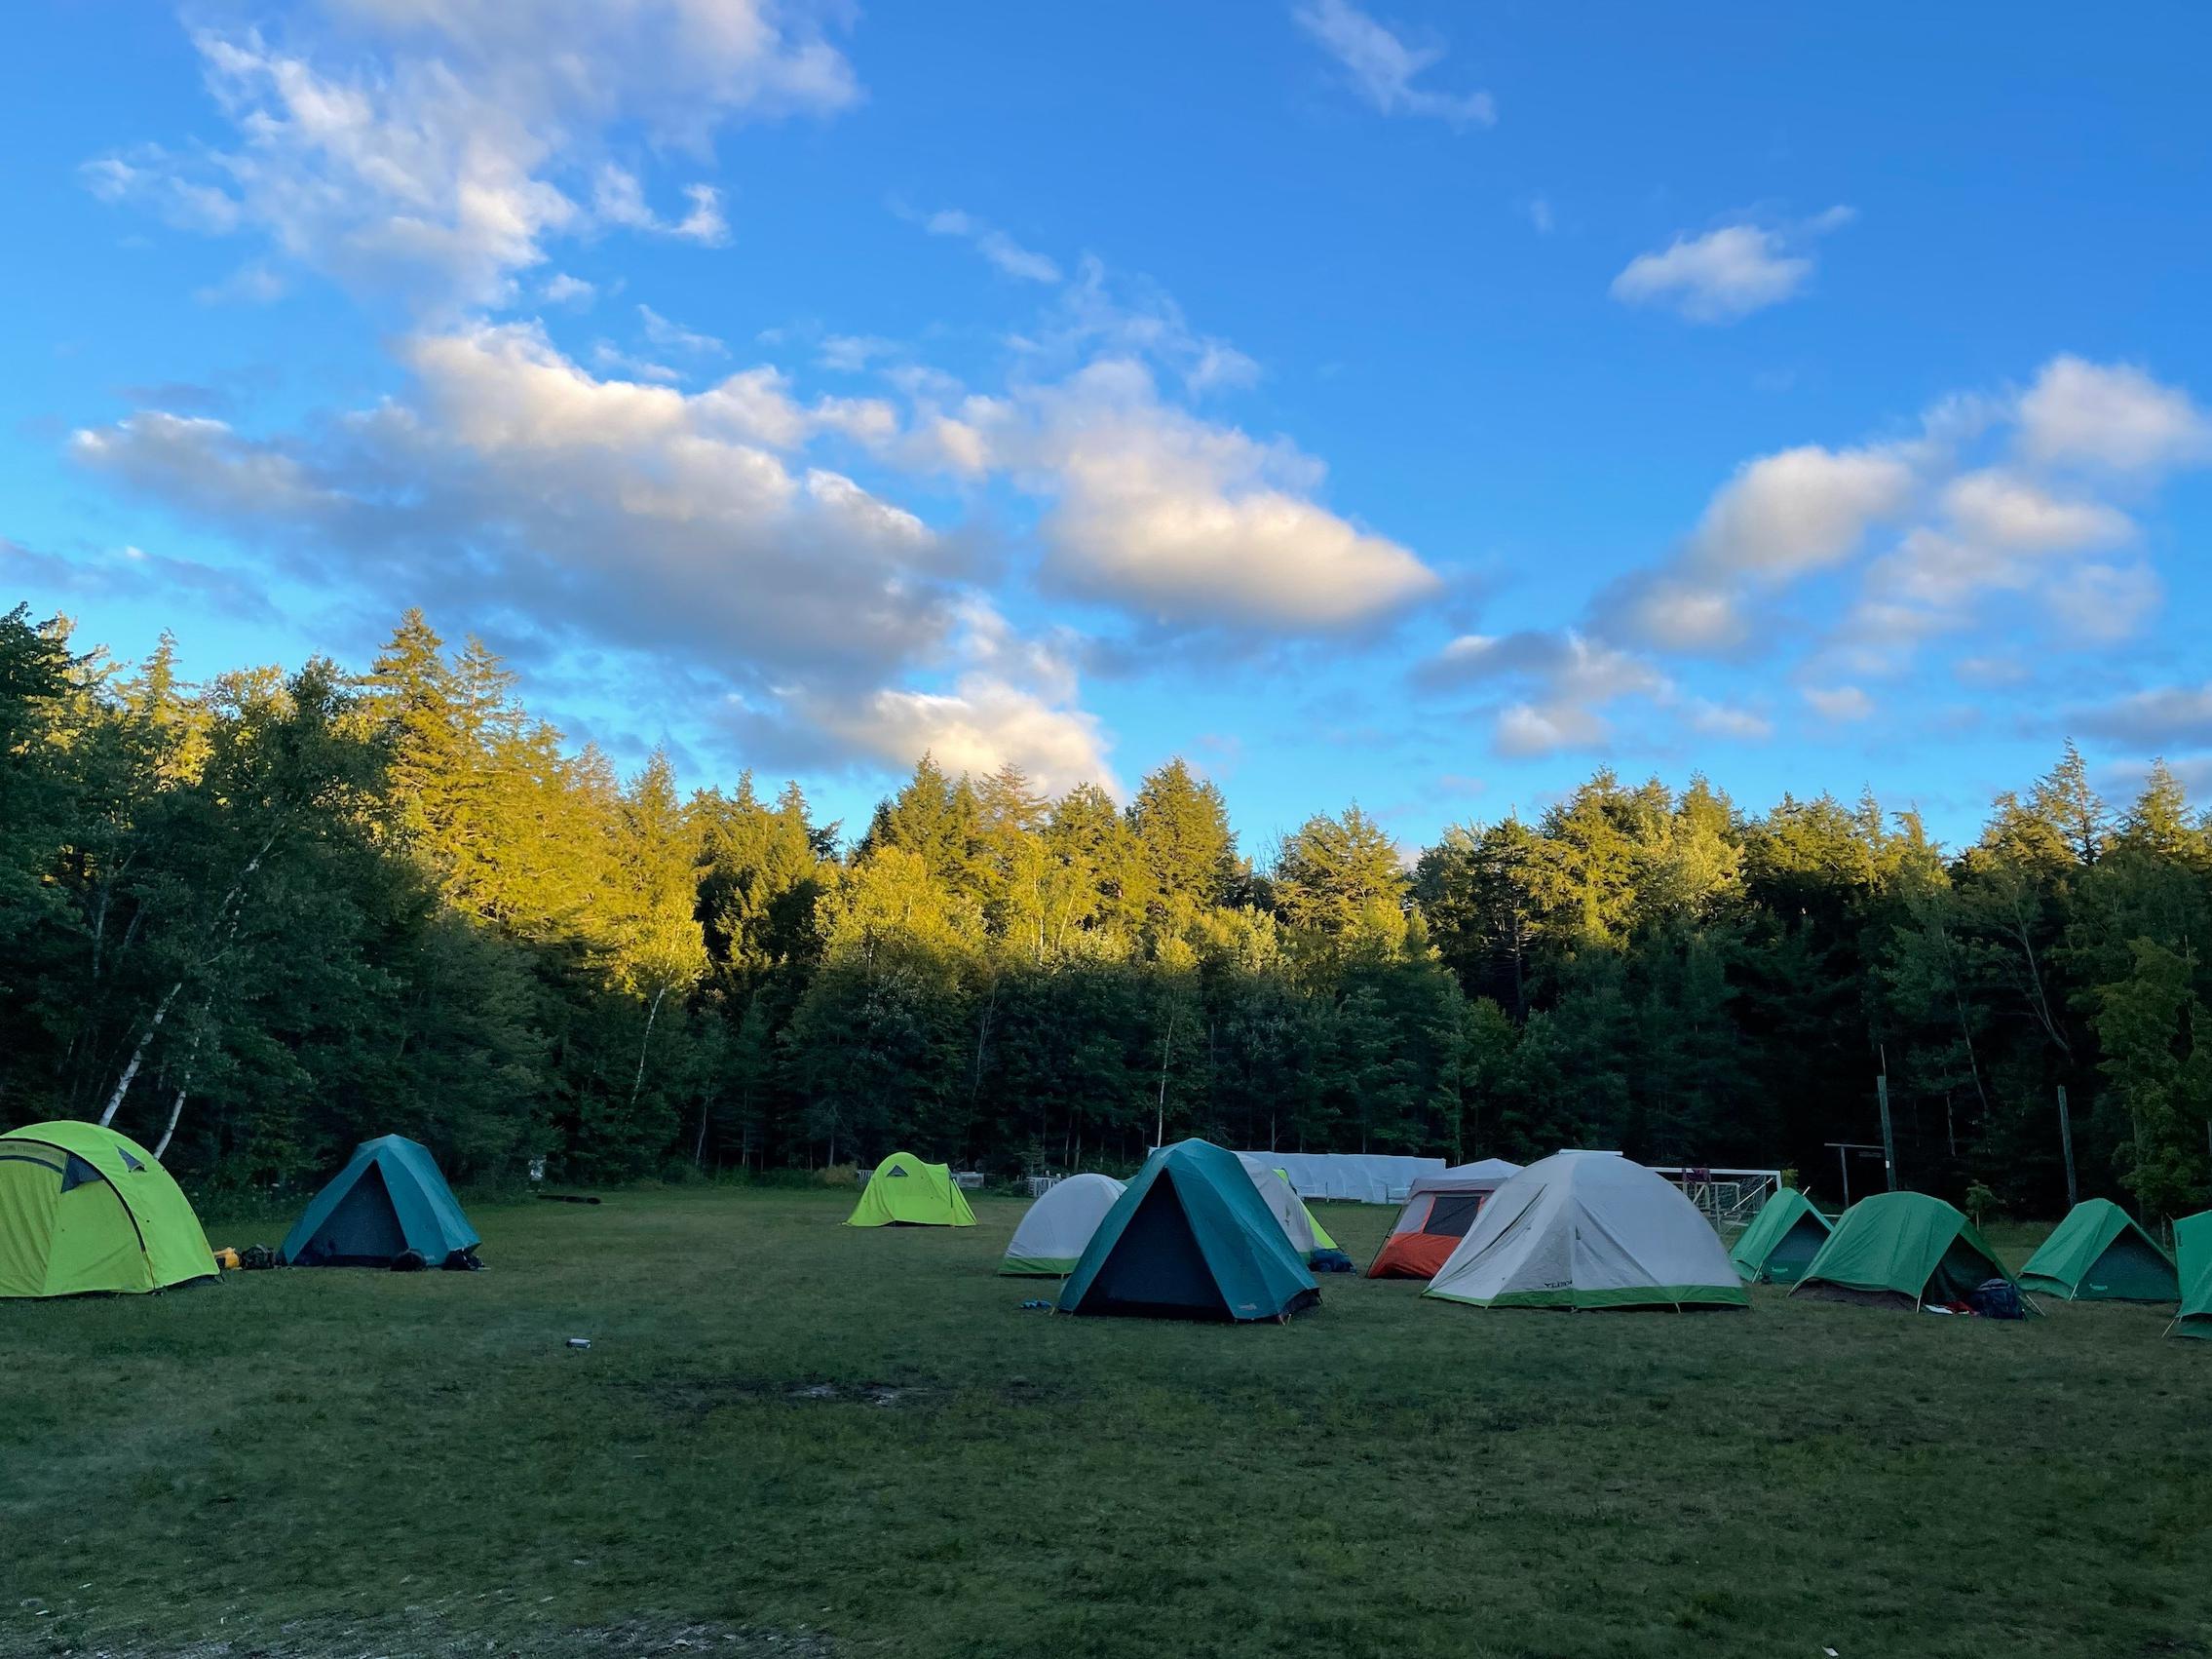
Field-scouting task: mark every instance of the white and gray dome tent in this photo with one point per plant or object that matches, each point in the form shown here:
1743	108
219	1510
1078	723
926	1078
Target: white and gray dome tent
1050	1238
1590	1230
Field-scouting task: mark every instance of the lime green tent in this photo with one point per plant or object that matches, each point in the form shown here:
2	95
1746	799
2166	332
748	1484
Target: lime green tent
1900	1250
1781	1241
2192	1242
2099	1254
905	1192
84	1208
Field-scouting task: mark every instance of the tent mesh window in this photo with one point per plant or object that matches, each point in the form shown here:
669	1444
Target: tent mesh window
1452	1214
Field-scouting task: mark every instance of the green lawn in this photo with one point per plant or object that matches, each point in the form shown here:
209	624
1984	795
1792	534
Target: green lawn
794	1437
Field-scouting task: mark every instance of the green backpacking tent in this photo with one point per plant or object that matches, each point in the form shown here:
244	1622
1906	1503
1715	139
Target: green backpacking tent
1781	1241
388	1201
905	1192
1900	1250
2099	1254
2192	1242
84	1208
1191	1237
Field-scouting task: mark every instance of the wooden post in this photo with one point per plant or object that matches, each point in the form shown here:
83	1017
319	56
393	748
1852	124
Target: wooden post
2066	1140
1889	1145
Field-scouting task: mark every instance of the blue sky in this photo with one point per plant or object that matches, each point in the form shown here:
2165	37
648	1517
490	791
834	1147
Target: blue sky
1415	404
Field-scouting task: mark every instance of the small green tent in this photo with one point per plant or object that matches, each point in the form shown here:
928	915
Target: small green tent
1900	1250
1191	1237
2192	1242
389	1199
1781	1241
2099	1254
84	1210
905	1192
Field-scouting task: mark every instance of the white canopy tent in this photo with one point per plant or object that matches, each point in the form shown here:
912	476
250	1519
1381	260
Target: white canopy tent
1355	1177
1590	1230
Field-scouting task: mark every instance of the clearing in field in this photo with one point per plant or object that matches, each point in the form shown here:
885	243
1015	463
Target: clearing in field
794	1437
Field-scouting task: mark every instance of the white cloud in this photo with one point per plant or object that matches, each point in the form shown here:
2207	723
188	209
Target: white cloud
2001	510
251	284
562	288
1185	522
2164	717
1839	703
2103	605
674	337
1560	683
1382	67
613	360
850	354
1011	700
1726	273
436	145
1720	719
2111	417
1799	509
600	511
1000	249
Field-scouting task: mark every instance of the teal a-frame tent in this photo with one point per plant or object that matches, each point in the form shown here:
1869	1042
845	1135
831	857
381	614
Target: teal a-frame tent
1191	1237
1781	1241
2098	1254
388	1202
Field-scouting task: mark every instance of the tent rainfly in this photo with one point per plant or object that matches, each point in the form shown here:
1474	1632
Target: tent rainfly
1590	1230
1050	1238
905	1192
2098	1254
387	1203
1191	1237
2192	1242
1900	1250
1781	1241
1436	1217
84	1210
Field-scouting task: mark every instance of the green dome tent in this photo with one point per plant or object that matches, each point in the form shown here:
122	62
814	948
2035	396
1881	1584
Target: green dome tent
2099	1254
2192	1242
1191	1237
389	1199
1900	1250
1781	1241
905	1192
85	1210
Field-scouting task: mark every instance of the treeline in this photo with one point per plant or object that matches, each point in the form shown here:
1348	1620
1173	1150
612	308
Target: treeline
255	920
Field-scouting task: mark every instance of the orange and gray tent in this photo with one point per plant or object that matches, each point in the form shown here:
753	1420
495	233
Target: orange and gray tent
84	1210
1437	1214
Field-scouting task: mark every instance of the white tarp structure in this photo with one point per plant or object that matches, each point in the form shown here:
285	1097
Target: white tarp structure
1357	1178
1051	1237
1590	1230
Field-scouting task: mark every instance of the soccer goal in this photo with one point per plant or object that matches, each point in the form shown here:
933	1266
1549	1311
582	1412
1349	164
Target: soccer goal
1727	1198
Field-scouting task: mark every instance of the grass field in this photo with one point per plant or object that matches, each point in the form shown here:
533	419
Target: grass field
794	1437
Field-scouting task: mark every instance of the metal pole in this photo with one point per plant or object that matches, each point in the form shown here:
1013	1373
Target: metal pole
1888	1145
2066	1140
1844	1168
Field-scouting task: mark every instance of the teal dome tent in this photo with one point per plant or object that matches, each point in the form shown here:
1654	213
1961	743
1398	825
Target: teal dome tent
388	1201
